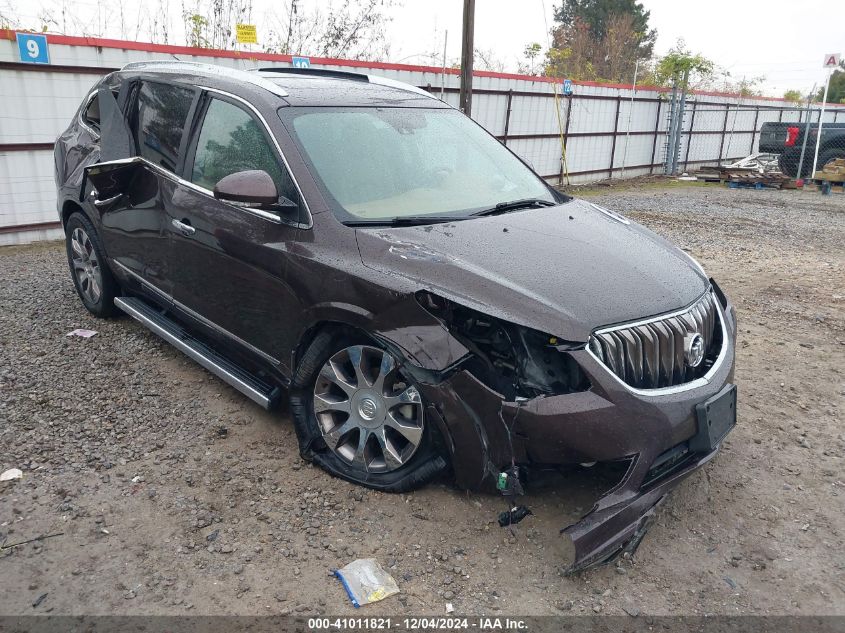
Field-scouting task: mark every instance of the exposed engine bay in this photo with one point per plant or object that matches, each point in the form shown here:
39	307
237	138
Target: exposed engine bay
515	361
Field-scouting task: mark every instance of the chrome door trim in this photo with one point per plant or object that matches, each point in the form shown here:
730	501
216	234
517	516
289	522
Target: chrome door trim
82	110
146	284
264	215
196	315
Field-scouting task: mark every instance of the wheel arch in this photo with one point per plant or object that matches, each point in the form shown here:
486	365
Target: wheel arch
403	326
69	208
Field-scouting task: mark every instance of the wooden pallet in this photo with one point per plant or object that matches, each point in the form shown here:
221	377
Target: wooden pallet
773	180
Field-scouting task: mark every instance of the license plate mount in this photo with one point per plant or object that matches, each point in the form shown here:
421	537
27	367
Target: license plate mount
716	417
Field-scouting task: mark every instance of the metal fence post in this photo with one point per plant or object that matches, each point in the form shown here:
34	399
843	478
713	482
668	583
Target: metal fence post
656	130
615	131
679	125
754	132
508	116
689	134
806	134
821	125
566	135
724	131
670	132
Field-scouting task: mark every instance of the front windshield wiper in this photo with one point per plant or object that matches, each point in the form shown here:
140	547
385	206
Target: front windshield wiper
513	205
408	220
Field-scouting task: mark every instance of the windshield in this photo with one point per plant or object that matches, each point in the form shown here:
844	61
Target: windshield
393	163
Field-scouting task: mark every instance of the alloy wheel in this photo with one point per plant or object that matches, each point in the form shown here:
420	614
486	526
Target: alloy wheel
369	414
86	266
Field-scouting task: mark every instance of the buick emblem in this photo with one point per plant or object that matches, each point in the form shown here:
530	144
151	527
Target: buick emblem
694	349
367	409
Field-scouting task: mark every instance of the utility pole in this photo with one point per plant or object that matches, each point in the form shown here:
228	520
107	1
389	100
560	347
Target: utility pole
443	74
467	50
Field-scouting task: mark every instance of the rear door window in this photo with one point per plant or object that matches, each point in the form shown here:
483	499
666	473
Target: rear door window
158	122
232	140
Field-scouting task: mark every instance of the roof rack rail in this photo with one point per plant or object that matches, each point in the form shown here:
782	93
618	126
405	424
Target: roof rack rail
321	72
207	70
343	74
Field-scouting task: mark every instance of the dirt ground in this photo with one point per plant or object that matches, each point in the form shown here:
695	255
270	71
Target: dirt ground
174	494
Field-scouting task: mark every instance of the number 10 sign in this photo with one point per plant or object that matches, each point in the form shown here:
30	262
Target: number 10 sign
33	48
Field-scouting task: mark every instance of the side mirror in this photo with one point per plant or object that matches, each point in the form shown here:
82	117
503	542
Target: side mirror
253	186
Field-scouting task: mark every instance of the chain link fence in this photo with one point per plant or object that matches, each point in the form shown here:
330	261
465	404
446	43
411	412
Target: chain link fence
781	138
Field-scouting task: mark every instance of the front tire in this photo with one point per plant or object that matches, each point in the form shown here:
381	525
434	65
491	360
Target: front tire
94	282
360	417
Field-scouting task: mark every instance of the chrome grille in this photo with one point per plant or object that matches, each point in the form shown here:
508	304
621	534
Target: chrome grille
650	354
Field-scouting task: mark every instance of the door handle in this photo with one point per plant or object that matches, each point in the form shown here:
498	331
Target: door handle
183	227
107	202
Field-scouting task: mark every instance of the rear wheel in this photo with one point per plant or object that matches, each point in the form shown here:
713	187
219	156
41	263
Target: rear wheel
361	418
92	278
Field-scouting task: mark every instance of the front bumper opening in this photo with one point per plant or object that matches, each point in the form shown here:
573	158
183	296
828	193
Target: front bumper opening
671	461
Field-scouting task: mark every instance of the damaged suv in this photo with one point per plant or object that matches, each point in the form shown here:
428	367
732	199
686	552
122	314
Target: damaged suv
424	301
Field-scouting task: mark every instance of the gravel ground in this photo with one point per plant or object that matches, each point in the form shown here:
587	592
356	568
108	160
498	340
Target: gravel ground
174	494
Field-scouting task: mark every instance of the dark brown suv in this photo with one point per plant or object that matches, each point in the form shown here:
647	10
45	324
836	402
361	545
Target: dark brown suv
425	302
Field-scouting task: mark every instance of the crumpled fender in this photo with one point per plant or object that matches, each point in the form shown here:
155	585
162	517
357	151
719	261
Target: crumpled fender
422	338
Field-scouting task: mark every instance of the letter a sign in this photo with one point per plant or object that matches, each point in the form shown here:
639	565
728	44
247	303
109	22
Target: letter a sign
831	60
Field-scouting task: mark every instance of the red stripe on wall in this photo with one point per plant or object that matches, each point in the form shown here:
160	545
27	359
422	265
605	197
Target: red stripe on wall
98	42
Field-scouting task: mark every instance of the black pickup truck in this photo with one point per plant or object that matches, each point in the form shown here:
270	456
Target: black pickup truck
786	140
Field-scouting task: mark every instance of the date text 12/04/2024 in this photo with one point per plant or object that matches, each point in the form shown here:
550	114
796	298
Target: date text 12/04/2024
418	624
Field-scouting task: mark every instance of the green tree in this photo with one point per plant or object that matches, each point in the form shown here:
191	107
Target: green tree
196	27
680	62
836	91
598	16
599	39
792	95
532	64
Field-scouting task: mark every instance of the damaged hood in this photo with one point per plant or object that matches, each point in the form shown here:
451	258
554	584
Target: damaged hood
563	270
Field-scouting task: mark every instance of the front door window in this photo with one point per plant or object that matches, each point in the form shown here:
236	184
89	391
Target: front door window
231	141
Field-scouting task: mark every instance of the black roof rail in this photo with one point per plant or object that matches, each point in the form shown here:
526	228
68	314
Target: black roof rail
206	70
320	72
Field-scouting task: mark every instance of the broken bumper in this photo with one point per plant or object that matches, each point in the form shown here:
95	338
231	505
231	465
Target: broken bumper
602	534
656	434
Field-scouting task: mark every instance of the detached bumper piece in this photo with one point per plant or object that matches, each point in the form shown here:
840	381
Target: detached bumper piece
605	533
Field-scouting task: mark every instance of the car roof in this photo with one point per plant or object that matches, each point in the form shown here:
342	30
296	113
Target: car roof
294	86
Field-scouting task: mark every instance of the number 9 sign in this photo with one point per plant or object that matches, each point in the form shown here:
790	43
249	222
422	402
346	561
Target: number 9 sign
32	48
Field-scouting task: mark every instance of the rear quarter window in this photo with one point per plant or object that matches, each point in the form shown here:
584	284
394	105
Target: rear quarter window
91	113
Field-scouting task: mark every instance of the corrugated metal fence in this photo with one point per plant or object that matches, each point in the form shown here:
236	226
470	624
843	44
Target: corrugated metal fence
38	101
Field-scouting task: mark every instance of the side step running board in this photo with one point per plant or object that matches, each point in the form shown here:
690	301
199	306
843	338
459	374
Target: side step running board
251	386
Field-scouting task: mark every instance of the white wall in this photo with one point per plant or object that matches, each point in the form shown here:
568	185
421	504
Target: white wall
37	106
